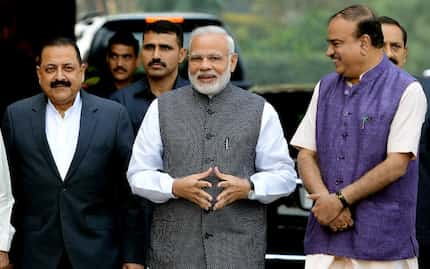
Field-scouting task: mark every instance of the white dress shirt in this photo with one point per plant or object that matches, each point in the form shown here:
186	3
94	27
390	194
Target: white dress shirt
275	176
404	135
62	133
6	201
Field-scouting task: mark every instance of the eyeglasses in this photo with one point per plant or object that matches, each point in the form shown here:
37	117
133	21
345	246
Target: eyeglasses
212	58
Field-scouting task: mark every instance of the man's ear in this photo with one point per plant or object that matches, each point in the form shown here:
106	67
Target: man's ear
83	68
406	54
182	54
365	44
233	61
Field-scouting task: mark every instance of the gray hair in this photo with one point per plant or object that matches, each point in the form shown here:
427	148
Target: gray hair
212	29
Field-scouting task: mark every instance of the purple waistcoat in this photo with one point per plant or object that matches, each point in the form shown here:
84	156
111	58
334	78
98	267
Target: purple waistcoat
353	124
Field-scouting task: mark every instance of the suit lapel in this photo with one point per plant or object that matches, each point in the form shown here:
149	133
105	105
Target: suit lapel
86	130
38	122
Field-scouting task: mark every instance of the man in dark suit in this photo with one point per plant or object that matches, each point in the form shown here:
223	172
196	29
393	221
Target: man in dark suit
423	205
68	153
395	46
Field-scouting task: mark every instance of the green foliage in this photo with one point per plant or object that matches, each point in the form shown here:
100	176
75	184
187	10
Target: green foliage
285	41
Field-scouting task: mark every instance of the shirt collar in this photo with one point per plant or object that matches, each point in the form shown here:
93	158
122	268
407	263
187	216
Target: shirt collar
76	107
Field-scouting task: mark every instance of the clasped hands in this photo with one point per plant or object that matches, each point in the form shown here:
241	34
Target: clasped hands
328	211
191	188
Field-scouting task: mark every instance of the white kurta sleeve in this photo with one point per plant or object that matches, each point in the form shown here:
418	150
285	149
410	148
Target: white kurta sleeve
405	129
305	135
275	176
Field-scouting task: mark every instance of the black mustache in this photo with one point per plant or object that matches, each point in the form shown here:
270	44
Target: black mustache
60	83
157	61
119	68
394	61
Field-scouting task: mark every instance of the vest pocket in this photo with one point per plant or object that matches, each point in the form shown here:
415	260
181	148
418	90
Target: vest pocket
372	125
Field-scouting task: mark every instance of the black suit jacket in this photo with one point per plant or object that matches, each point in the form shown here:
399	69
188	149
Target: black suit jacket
423	204
88	215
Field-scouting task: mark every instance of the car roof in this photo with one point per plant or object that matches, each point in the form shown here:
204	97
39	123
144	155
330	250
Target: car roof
142	15
86	29
98	19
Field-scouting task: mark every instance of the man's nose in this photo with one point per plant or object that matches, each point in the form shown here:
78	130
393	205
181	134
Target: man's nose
156	53
206	64
120	61
60	74
329	52
388	50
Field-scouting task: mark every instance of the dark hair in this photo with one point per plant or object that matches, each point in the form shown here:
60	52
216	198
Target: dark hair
391	21
58	41
124	38
166	27
367	24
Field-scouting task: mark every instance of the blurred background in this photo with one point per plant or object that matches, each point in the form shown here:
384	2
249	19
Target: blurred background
284	41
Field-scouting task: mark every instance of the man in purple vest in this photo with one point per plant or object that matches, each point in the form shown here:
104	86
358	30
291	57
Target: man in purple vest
358	143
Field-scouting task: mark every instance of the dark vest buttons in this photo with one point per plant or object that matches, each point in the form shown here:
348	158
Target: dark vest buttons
339	181
208	235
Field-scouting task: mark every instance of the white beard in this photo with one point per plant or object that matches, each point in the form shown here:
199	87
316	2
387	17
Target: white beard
212	88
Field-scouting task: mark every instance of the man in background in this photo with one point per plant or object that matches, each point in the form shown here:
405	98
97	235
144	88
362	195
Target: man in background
395	40
162	52
121	61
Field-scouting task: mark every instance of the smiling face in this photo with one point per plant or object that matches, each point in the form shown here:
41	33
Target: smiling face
60	75
344	48
210	63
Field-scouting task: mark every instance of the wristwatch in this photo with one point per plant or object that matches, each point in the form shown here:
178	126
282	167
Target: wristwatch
251	193
342	199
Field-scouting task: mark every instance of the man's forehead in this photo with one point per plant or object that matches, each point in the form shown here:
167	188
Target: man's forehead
168	37
392	32
209	42
59	54
55	48
340	25
120	46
